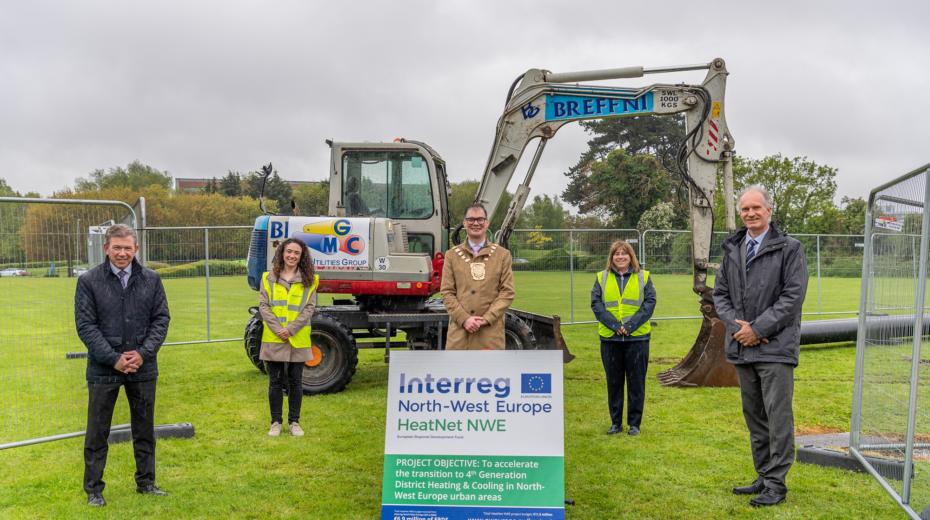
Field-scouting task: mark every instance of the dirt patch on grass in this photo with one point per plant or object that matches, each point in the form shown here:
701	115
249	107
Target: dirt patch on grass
816	430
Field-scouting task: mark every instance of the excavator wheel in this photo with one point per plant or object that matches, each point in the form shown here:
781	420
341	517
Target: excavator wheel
335	357
253	340
517	334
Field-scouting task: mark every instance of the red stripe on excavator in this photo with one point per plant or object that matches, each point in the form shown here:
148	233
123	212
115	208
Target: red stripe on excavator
712	135
713	125
360	287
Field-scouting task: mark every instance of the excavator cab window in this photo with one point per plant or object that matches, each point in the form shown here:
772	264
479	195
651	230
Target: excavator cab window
392	184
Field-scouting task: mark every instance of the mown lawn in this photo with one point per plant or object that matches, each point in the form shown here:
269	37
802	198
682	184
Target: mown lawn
694	445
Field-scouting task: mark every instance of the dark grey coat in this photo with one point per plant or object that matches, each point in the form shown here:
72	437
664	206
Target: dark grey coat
111	320
769	296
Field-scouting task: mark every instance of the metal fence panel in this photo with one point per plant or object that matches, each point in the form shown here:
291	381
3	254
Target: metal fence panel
564	259
43	248
891	365
204	271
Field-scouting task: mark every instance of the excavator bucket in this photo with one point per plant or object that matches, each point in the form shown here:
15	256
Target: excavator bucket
545	331
706	363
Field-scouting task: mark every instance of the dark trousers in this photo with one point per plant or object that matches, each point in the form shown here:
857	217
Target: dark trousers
282	374
100	403
625	361
767	390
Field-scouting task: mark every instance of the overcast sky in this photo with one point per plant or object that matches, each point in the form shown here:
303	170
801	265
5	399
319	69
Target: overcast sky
199	88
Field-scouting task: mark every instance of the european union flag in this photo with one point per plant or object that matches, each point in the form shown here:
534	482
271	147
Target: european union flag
536	383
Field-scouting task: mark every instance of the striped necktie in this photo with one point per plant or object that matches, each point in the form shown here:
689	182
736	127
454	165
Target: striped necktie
750	252
123	278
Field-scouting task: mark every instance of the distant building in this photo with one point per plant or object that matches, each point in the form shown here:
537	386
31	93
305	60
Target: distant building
192	185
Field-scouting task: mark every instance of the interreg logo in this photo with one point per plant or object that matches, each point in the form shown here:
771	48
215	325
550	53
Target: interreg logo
536	383
500	387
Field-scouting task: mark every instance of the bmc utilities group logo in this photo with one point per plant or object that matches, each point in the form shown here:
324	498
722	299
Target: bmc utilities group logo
328	237
536	383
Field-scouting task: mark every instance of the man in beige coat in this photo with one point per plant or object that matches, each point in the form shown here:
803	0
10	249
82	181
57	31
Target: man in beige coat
477	287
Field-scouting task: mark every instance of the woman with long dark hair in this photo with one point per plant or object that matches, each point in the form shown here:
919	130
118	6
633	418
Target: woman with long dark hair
286	300
623	300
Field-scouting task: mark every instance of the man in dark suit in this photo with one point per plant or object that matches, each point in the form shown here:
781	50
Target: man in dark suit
759	291
121	315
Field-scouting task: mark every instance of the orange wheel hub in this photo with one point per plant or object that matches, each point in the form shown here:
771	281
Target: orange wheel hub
317	356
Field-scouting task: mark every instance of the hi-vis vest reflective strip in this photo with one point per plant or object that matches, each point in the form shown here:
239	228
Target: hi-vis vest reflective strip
287	305
623	305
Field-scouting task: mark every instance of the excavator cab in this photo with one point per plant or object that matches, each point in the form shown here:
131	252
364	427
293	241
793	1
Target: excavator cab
404	181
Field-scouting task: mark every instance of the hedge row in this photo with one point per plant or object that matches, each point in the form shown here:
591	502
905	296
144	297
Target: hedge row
193	269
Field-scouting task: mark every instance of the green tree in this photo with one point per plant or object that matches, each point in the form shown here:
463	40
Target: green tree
230	185
619	188
11	221
463	194
275	190
646	134
211	186
312	199
134	176
544	213
801	189
538	239
853	215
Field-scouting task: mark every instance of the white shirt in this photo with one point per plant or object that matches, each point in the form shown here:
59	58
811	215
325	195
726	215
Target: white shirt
758	238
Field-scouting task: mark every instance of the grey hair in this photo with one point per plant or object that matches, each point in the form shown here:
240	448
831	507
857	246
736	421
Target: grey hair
120	231
760	189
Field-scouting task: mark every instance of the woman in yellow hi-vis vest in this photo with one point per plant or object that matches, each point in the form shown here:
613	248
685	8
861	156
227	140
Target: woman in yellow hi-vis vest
286	300
623	300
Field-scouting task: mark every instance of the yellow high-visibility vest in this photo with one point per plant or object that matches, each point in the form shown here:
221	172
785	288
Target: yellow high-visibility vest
625	304
286	306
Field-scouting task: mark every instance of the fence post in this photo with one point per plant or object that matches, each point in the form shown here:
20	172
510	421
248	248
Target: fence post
919	306
206	270
818	273
642	249
571	273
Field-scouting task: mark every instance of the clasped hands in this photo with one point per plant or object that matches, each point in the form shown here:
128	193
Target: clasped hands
473	323
746	336
129	362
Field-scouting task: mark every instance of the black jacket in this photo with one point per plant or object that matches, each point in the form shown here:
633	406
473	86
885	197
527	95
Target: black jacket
769	296
111	320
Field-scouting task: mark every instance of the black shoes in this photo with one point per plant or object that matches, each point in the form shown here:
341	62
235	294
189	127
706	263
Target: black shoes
614	429
633	431
152	489
767	498
752	489
96	500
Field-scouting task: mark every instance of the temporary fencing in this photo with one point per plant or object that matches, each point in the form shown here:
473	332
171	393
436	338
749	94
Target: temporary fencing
44	246
890	433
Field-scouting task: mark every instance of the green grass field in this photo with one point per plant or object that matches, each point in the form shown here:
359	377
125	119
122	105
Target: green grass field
694	445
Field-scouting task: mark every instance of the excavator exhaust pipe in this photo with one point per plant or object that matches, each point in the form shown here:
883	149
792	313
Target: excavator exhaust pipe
706	363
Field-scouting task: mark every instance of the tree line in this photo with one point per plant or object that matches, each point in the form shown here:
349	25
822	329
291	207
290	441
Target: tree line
621	181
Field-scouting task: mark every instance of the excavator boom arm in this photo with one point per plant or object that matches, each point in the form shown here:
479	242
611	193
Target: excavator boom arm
543	102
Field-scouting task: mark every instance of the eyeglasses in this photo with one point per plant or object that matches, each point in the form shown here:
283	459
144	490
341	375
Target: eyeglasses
475	220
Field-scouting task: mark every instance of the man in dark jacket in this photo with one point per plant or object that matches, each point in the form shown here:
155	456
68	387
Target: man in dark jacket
759	291
121	315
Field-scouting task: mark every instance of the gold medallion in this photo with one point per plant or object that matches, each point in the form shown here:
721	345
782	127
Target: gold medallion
477	271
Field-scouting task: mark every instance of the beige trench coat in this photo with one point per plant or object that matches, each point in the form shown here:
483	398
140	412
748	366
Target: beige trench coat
477	285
